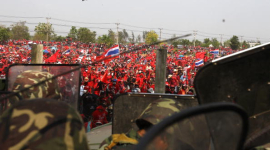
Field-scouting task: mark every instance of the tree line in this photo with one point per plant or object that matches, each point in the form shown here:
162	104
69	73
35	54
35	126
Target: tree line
45	32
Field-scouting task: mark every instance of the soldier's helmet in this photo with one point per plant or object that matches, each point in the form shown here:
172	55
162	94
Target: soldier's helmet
173	135
42	124
157	111
48	89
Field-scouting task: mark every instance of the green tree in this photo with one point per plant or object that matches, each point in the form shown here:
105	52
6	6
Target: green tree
206	42
85	35
245	45
133	37
125	34
73	33
234	43
215	42
185	42
198	43
151	37
227	43
5	33
20	31
105	39
111	35
59	38
44	32
144	35
138	40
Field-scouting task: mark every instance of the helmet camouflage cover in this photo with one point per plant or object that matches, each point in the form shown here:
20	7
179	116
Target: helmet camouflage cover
183	133
160	109
42	124
49	89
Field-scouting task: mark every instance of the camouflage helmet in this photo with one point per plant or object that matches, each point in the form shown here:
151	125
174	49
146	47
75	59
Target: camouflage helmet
49	89
157	111
42	124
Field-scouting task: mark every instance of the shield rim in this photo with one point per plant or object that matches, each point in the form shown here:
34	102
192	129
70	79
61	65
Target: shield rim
197	110
75	65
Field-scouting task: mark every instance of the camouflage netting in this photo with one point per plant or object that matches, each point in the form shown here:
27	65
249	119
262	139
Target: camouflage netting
49	89
42	124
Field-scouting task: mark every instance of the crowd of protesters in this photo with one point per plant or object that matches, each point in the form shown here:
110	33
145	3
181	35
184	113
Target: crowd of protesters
103	80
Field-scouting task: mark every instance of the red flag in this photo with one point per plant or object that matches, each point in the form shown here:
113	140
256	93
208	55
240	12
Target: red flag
104	78
200	55
53	58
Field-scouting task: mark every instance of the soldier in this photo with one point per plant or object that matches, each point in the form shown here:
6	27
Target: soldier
153	114
42	124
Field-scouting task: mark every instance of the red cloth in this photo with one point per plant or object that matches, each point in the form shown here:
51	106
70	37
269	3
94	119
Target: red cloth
53	58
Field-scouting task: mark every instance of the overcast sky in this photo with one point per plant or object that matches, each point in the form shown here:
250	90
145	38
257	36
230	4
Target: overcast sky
247	18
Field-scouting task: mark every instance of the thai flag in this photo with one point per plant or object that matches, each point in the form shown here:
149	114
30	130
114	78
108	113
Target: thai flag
66	52
199	63
114	51
215	52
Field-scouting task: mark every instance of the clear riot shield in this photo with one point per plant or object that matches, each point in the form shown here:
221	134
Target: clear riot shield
217	126
32	81
242	78
127	108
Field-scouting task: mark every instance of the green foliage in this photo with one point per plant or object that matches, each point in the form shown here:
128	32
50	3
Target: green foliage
105	39
185	42
206	42
73	33
215	42
198	43
20	31
42	30
227	43
245	45
59	38
85	35
138	40
111	35
144	35
234	43
151	37
5	33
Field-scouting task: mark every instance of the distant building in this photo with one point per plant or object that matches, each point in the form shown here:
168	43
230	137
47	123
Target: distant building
253	43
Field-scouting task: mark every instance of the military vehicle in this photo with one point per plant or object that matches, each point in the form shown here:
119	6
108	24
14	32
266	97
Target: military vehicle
241	78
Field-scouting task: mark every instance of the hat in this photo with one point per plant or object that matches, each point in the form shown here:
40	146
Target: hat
86	79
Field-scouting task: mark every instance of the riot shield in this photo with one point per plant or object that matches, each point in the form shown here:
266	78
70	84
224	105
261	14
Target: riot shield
217	126
31	81
127	108
242	78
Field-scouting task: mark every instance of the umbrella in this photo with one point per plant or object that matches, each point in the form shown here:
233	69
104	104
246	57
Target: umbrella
46	51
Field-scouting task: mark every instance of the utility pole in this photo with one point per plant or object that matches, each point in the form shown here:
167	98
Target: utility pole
36	54
47	29
160	33
117	24
221	39
241	41
194	34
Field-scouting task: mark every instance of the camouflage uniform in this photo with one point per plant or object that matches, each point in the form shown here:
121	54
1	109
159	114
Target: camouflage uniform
49	89
42	124
154	113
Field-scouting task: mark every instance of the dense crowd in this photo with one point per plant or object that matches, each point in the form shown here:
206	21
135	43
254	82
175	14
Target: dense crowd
103	80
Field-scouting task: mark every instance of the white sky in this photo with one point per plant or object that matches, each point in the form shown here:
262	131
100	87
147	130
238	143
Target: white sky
247	18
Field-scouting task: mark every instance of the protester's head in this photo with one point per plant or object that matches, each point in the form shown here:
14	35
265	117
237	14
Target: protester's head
100	108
